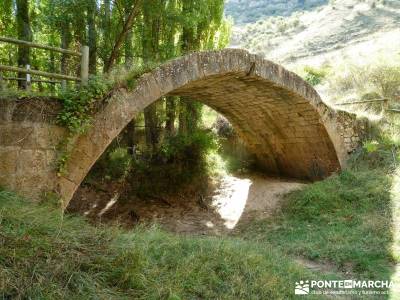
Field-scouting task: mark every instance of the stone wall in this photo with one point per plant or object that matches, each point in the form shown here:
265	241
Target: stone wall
28	145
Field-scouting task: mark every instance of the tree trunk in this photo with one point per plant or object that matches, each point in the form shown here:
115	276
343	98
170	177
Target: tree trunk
24	33
130	129
106	24
92	36
151	124
120	39
52	69
150	40
170	108
130	136
128	42
80	36
190	111
65	42
189	115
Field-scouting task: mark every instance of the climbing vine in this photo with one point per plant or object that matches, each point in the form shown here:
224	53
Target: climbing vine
79	106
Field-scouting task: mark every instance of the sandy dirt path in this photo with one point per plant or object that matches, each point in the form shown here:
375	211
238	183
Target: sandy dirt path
236	199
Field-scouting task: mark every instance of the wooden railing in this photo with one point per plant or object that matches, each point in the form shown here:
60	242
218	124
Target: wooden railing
383	101
84	63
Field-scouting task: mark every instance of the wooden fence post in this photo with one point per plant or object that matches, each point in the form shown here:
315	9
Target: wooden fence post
385	105
28	78
84	65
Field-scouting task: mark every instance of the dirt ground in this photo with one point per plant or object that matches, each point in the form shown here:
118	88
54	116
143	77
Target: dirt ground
234	199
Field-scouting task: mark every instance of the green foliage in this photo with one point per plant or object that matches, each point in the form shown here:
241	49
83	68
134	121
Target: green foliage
314	76
386	80
119	163
64	156
371	146
80	104
180	162
130	79
382	153
188	147
376	79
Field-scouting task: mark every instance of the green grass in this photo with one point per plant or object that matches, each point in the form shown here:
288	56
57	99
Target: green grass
45	256
345	220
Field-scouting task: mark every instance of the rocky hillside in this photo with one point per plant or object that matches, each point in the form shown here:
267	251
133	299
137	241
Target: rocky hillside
327	31
248	11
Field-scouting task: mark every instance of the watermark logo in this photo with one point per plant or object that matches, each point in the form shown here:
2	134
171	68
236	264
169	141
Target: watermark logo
302	288
343	287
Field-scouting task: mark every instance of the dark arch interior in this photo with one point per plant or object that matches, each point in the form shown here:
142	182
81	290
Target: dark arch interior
187	209
280	127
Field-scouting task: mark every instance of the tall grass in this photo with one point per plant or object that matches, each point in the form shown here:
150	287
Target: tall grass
345	221
44	255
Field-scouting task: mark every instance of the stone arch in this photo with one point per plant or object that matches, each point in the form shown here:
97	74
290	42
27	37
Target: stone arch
280	116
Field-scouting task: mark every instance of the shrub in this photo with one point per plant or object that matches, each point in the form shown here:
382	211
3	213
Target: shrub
314	76
223	127
190	147
119	163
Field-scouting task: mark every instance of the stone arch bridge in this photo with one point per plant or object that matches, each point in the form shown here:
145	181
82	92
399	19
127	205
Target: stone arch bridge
280	117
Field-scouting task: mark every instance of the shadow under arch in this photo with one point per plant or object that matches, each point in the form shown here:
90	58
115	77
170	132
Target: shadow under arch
279	115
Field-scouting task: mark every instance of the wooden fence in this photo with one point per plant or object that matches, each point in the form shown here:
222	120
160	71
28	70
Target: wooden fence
383	101
83	55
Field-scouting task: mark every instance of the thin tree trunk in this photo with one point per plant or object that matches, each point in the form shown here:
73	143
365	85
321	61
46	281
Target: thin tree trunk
52	69
128	42
170	108
65	42
121	37
151	53
92	36
151	124
105	52
130	135
24	33
189	114
130	129
79	36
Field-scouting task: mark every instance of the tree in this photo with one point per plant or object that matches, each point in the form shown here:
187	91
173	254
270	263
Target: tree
92	35
201	20
134	12
24	33
152	18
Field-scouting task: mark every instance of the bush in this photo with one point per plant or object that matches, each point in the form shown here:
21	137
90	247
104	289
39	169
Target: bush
314	76
378	79
119	163
189	147
223	127
180	162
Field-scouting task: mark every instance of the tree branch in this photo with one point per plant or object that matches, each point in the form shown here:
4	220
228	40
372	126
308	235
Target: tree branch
127	26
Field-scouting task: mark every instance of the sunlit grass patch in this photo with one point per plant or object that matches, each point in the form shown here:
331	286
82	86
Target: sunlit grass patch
345	220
